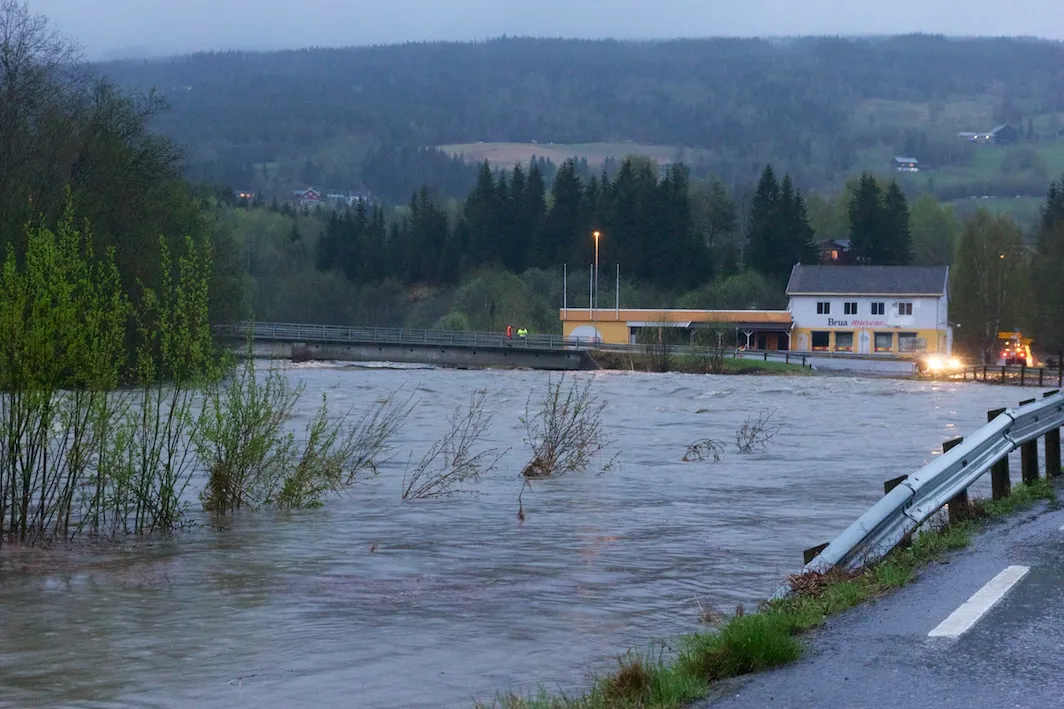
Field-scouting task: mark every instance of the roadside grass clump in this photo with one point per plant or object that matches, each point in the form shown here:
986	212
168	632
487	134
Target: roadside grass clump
747	643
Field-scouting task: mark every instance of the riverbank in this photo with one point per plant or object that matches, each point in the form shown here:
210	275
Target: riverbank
690	364
744	644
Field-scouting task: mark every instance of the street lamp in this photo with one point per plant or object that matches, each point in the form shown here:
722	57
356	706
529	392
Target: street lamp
596	234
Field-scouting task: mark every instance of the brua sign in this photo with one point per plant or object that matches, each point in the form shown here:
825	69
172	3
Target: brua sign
832	322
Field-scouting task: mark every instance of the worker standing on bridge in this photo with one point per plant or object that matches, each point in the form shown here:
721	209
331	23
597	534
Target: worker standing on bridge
509	332
522	333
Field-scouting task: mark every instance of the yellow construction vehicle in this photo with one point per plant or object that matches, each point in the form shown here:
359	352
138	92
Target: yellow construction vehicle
1015	349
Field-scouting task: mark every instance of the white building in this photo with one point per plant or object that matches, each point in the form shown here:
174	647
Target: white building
898	310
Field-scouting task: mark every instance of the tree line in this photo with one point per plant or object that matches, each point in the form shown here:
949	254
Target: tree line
655	224
1002	282
323	113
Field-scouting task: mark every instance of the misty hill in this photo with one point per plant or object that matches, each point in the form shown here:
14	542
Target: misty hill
812	104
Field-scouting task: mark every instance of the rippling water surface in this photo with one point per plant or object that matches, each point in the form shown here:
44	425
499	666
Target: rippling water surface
373	602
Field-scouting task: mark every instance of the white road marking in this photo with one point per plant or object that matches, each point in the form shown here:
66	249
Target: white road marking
981	601
1062	529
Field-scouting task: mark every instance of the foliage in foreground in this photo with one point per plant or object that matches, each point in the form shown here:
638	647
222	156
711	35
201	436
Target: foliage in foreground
77	456
750	643
252	459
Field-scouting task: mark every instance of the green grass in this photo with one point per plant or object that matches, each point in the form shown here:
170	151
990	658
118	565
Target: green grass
1025	210
687	364
506	154
771	637
985	166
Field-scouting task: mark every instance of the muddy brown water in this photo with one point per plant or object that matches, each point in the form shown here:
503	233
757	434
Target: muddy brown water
373	602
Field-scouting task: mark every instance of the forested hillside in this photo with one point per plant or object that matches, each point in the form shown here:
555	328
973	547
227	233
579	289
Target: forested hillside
349	118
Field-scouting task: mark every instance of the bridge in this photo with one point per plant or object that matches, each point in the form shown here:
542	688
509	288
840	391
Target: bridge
302	342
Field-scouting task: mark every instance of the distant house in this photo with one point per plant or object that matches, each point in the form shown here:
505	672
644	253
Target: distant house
904	164
308	197
836	251
1004	135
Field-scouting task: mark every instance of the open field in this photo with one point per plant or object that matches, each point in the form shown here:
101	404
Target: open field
961	114
507	154
1025	210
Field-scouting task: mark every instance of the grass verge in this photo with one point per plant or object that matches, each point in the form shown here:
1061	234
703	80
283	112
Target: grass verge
744	644
687	364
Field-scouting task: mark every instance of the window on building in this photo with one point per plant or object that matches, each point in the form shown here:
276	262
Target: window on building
849	307
905	308
823	308
821	340
884	341
907	341
844	342
879	309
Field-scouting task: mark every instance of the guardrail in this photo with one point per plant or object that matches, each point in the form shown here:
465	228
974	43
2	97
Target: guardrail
341	334
1014	374
911	500
296	332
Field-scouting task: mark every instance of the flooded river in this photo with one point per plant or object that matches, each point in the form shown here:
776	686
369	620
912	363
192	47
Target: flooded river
375	602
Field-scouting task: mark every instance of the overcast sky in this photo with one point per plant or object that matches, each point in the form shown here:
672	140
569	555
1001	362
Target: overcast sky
106	27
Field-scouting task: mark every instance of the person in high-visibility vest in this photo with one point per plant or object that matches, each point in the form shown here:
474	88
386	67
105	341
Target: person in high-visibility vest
522	333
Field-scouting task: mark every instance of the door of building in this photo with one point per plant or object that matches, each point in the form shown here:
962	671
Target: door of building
864	343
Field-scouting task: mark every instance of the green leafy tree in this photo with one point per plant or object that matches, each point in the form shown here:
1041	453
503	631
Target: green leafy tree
934	230
987	282
1047	275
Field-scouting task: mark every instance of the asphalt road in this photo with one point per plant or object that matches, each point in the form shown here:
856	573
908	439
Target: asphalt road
880	655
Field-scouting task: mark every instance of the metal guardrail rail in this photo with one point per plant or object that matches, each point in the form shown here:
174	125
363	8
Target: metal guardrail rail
914	500
1013	374
341	334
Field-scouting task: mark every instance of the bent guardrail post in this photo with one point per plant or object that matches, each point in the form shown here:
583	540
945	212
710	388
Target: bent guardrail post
1029	456
1052	446
1000	485
959	504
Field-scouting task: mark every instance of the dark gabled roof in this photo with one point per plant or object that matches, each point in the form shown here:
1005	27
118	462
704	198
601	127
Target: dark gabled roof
868	280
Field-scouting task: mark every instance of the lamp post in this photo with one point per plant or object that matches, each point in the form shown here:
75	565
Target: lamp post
596	234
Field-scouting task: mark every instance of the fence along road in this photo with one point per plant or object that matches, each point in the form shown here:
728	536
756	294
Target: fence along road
912	500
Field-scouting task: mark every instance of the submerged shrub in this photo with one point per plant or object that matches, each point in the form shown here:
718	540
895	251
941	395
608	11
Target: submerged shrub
252	457
565	433
452	461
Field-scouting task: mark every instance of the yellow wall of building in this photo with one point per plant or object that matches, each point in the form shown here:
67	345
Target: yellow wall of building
612	332
936	340
614	326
